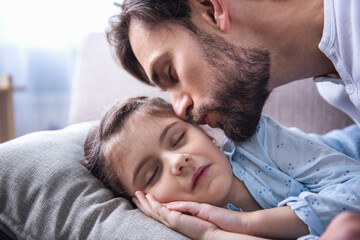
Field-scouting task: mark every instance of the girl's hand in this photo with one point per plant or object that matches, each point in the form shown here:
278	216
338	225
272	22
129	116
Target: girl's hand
265	223
225	219
191	226
204	221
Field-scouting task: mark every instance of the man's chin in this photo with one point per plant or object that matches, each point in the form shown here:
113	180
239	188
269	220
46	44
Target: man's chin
234	136
237	134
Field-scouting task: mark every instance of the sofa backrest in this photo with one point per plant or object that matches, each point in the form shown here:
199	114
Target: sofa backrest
99	81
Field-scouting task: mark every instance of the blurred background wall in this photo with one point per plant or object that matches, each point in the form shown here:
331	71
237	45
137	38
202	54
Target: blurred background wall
38	43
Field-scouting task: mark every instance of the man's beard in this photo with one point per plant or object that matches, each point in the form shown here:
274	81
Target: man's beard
240	78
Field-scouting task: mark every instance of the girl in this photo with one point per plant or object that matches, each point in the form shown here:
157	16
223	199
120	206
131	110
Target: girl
279	183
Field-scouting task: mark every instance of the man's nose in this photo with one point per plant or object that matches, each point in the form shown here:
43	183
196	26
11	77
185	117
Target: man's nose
179	164
182	105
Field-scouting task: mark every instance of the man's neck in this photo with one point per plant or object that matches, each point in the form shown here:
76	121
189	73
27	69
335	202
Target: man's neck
291	30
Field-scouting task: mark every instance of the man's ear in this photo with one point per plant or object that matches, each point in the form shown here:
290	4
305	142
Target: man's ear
214	12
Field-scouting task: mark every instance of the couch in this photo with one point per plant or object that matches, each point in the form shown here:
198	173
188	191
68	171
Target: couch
46	192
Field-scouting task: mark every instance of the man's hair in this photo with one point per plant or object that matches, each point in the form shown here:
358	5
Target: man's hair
152	13
98	140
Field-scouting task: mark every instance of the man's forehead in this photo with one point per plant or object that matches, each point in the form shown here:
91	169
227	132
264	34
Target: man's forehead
149	46
164	30
141	24
137	25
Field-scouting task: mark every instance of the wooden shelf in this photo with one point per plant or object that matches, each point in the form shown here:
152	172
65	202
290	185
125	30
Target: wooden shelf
7	126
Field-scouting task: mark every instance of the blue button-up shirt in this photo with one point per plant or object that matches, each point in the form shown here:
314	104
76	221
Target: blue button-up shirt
284	167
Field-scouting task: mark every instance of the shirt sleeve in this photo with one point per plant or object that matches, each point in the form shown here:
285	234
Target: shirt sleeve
346	140
318	209
331	178
304	159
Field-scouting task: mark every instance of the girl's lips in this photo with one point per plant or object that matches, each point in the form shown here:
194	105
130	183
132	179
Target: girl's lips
199	175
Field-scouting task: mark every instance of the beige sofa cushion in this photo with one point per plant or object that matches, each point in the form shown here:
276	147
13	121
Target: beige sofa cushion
47	193
99	81
299	104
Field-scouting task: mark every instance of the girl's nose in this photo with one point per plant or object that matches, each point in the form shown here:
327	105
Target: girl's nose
179	164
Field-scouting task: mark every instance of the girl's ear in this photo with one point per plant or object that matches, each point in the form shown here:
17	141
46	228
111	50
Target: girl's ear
214	12
214	134
213	141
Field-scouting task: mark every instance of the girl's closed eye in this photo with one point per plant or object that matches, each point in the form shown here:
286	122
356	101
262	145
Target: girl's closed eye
178	140
153	176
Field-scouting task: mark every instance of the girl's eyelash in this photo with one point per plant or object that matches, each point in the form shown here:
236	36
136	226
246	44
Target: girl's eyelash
179	139
153	176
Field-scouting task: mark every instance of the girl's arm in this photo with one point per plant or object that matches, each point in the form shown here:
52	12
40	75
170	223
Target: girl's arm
280	222
204	221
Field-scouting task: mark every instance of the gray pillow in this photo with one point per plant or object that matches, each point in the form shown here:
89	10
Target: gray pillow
46	193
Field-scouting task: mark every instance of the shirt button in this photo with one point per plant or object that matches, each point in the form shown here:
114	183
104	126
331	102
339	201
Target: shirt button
349	89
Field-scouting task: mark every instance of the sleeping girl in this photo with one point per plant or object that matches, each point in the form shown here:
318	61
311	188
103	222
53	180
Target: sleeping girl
277	184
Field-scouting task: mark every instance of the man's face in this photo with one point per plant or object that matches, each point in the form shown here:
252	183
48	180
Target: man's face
171	159
207	78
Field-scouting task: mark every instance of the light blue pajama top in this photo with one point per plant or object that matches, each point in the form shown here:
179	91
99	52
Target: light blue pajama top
280	166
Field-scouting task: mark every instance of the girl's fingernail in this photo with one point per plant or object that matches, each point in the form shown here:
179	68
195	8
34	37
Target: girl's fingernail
138	194
149	197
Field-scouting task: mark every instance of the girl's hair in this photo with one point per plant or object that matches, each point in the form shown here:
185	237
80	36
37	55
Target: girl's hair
112	123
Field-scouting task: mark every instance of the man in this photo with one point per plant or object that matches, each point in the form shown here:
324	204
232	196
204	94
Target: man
220	59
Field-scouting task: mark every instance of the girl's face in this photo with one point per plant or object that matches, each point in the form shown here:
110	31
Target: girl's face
171	159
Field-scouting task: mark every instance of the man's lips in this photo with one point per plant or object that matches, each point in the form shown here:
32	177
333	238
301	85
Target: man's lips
204	119
199	175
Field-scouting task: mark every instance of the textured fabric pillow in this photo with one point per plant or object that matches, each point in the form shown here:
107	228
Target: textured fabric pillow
46	193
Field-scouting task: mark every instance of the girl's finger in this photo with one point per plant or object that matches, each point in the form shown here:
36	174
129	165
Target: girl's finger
185	207
162	212
143	204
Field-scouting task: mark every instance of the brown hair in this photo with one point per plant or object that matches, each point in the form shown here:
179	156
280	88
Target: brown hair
112	123
152	13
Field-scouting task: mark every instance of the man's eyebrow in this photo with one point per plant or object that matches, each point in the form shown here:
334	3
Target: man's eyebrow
154	77
139	166
165	131
153	66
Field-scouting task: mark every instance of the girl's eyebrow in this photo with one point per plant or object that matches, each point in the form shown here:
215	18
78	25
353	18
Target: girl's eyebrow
166	130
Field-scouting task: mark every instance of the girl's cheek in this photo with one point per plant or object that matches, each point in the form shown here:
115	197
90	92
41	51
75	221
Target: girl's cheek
164	192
